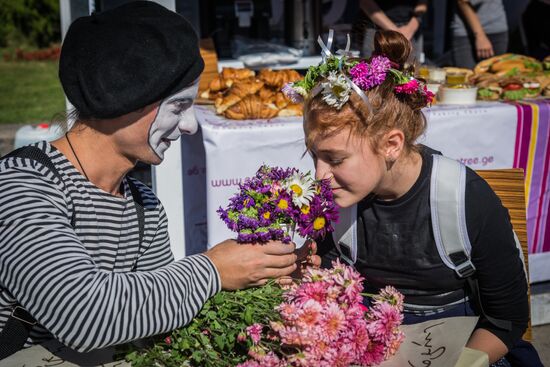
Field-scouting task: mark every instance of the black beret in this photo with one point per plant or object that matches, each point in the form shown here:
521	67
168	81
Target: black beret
124	59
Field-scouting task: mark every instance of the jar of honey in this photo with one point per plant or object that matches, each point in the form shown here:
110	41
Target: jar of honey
456	78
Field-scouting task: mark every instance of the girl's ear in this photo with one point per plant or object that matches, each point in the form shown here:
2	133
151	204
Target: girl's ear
393	144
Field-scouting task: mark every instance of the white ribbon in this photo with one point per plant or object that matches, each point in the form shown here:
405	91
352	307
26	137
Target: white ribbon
325	49
346	52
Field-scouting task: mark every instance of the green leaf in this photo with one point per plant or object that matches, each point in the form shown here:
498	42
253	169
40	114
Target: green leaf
220	342
248	315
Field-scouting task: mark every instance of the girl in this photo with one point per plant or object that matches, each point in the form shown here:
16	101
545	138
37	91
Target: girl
84	250
361	121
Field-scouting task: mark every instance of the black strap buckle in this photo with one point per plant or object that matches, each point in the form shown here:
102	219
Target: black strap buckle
466	269
23	315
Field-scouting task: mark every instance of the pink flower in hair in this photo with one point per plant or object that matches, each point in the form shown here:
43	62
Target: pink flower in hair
411	87
428	95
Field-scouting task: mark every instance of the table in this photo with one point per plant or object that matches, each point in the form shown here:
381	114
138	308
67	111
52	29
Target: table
37	356
486	135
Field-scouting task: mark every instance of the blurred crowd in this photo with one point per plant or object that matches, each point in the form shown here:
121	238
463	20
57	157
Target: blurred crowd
474	29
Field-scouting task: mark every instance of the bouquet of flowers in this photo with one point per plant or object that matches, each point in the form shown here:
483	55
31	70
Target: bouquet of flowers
323	322
318	321
276	202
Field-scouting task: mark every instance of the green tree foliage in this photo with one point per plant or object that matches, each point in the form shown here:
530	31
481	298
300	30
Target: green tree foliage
34	23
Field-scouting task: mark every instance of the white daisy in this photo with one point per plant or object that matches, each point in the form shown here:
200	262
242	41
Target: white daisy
336	90
302	189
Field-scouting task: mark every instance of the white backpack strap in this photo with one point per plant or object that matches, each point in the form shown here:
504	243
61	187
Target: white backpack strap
520	249
447	203
345	234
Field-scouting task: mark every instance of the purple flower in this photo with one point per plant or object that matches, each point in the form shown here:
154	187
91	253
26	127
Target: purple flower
369	75
263	204
292	93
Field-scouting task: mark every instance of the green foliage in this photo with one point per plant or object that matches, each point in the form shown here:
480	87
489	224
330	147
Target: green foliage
210	340
315	72
34	23
30	92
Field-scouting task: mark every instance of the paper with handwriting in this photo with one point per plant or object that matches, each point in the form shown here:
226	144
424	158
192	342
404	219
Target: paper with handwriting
434	343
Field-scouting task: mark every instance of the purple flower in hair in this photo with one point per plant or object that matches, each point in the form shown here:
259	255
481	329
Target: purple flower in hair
295	94
369	75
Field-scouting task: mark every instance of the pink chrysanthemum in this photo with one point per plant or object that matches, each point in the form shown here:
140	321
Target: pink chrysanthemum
390	295
373	356
255	332
334	321
388	318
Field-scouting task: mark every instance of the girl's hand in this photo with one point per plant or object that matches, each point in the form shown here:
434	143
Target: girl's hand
306	256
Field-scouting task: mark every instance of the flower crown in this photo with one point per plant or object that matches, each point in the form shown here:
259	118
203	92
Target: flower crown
342	74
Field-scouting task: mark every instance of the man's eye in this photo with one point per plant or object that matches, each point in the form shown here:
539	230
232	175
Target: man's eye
180	106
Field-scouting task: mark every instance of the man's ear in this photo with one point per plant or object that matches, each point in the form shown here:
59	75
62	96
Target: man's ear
393	143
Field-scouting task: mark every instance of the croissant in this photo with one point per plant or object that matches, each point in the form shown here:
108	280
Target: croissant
208	94
281	101
219	83
238	74
278	78
291	110
237	92
266	94
251	107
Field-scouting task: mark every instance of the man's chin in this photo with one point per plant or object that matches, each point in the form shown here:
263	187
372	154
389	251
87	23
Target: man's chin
153	158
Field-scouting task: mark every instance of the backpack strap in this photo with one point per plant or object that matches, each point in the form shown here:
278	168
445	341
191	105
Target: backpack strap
140	211
36	154
345	234
447	204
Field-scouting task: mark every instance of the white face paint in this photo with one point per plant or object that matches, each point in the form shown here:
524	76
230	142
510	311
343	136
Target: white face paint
175	116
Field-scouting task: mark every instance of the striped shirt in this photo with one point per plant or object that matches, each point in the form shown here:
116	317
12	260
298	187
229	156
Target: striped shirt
76	281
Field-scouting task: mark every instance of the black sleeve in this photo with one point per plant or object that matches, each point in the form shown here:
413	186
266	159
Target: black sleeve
499	267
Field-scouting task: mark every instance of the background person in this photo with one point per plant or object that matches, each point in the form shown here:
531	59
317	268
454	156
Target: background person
397	15
479	31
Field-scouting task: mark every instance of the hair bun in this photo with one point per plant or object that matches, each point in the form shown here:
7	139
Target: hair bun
393	45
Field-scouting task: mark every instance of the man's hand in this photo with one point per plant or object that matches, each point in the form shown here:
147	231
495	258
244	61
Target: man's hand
409	29
246	265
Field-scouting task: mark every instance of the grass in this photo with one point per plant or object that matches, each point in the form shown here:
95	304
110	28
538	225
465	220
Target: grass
30	92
